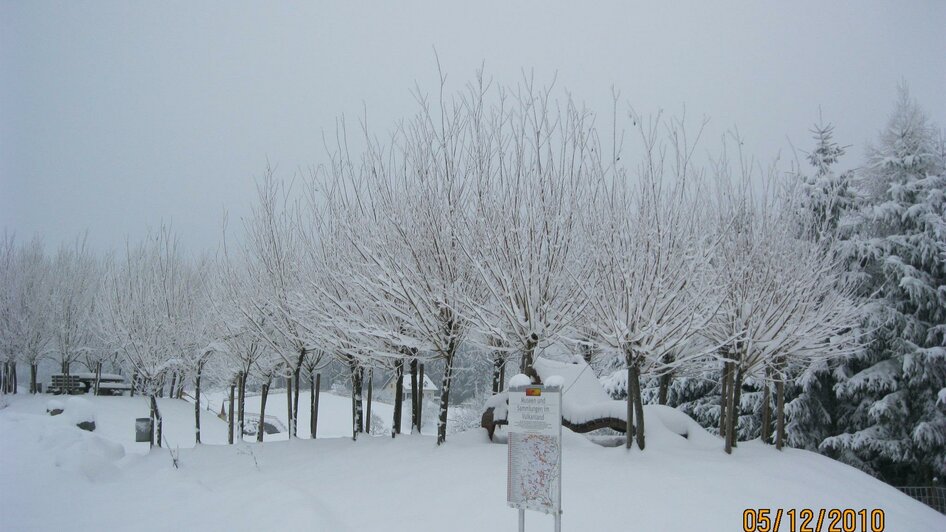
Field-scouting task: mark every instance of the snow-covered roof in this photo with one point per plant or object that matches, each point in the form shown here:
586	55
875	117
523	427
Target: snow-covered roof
428	384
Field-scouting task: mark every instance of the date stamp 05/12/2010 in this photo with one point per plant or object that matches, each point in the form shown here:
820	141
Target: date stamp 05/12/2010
809	520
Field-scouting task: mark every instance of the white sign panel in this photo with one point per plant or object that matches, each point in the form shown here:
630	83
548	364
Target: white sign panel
535	449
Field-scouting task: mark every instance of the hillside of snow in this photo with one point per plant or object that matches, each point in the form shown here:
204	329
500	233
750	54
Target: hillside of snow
54	476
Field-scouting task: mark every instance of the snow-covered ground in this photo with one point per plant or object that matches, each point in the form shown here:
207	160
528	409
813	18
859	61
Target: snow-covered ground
54	476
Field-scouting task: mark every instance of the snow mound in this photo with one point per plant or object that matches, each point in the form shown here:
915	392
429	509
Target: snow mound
91	456
79	410
555	381
519	380
666	426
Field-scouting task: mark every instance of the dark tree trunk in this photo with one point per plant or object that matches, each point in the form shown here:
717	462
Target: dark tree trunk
13	377
289	405
262	411
420	398
528	354
664	389
314	404
297	377
414	423
445	396
358	379
368	408
629	429
197	406
779	414
98	377
724	398
398	396
134	382
34	370
354	411
499	364
638	406
241	403
734	409
766	430
157	424
230	419
173	389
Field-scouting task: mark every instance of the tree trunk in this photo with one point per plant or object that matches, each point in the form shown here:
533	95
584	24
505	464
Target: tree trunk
230	419
629	427
314	404
638	406
297	377
197	406
262	411
358	378
779	414
34	370
664	389
173	389
241	403
766	430
13	374
414	423
445	397
354	411
134	382
398	396
498	367
528	354
289	405
153	404
420	399
724	397
734	410
368	409
98	377
156	421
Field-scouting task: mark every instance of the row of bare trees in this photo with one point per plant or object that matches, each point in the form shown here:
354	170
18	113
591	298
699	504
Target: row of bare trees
492	220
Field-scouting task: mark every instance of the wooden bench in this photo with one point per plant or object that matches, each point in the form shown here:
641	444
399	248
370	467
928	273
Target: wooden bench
113	388
586	407
70	384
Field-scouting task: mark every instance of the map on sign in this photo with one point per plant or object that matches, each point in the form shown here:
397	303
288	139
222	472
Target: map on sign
535	450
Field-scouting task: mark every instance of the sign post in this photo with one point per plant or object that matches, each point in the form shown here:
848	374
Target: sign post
534	480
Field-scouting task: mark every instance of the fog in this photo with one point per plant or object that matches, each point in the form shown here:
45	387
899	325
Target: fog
116	116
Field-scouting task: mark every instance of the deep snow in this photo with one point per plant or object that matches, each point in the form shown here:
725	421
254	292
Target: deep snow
56	477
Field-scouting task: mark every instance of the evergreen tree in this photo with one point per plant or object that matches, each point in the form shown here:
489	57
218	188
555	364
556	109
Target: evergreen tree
893	421
827	197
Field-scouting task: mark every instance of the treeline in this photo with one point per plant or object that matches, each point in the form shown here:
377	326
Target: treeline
803	308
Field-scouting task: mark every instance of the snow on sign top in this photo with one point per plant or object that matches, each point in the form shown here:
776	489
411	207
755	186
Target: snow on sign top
535	449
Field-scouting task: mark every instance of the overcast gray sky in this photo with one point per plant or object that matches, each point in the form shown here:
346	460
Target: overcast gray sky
116	116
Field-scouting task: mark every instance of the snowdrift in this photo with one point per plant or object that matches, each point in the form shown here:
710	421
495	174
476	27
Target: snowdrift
54	476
